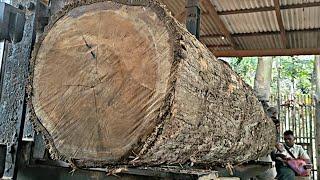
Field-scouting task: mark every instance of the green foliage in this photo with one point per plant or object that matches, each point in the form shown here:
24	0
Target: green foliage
245	67
295	72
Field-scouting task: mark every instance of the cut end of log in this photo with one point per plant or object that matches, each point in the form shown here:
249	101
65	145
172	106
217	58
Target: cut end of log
100	79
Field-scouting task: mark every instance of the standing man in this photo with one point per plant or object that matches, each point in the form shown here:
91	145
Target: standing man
284	172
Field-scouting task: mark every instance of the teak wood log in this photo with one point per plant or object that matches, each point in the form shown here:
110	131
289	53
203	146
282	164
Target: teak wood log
112	81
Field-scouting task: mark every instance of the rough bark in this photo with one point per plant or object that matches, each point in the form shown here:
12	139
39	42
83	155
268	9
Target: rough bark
114	80
57	5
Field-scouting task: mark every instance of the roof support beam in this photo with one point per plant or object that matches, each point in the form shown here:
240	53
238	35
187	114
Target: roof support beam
256	34
259	33
219	46
266	52
304	5
221	26
280	23
212	36
242	11
293	6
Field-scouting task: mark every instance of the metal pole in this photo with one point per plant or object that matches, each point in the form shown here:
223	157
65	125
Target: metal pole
193	17
3	55
13	111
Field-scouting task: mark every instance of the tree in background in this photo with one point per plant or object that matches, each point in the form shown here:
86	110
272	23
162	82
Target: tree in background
295	73
262	80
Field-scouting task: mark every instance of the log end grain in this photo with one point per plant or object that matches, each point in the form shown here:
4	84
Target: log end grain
100	78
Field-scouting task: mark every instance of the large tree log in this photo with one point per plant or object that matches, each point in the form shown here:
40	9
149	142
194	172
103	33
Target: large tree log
113	80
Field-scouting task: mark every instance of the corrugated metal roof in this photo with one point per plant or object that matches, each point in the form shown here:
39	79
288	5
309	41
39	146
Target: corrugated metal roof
251	22
227	5
215	41
208	26
301	18
290	2
255	22
303	39
223	48
174	6
178	6
259	42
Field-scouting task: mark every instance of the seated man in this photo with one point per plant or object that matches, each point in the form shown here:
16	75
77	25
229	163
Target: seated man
281	155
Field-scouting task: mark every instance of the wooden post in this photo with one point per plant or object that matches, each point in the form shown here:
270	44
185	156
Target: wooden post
317	102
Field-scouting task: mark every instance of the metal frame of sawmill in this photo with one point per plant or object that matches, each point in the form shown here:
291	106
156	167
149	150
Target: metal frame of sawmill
23	151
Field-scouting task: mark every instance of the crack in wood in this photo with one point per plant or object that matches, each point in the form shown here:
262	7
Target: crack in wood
95	102
90	47
77	85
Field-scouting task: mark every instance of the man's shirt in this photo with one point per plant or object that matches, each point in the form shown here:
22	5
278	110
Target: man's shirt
298	152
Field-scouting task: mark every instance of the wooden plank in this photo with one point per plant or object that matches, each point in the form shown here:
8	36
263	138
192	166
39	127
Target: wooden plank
282	119
262	9
293	112
309	119
280	23
312	141
267	52
289	115
299	119
220	25
305	118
